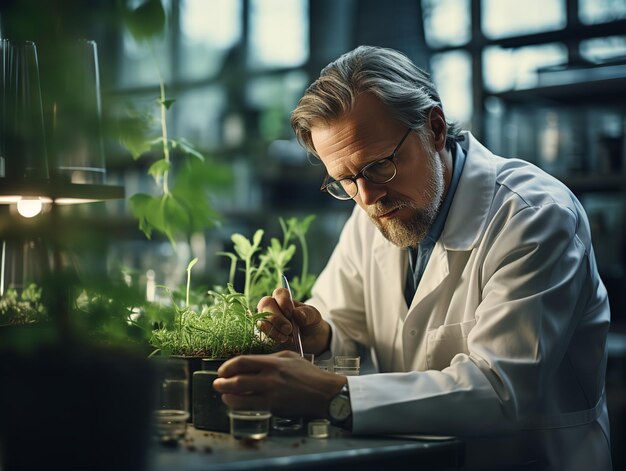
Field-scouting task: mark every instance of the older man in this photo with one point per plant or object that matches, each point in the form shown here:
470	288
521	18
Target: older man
471	278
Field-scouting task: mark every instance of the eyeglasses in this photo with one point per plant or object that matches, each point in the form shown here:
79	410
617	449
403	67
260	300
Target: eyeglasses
380	172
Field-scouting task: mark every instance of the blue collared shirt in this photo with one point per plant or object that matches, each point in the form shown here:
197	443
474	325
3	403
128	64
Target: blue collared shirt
418	258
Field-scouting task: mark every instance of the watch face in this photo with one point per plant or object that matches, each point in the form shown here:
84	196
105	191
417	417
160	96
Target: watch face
340	408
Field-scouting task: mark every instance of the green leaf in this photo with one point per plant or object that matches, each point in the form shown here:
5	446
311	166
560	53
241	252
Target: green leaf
159	168
187	148
242	246
197	205
139	208
287	255
176	217
168	102
132	131
233	257
300	228
303	227
146	21
256	238
192	263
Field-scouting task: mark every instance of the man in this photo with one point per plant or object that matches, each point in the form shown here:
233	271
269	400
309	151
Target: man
471	278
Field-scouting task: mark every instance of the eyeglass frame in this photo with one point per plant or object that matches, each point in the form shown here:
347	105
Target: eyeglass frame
354	178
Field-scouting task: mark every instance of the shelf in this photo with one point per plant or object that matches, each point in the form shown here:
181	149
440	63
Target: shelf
567	35
604	90
59	192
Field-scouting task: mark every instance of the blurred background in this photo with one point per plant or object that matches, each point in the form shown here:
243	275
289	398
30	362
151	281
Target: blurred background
542	80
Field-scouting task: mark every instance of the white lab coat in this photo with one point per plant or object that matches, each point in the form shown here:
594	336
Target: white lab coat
505	340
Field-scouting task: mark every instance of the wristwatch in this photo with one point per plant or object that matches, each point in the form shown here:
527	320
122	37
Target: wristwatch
340	410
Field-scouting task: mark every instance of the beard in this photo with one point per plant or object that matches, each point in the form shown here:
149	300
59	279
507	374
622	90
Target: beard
409	232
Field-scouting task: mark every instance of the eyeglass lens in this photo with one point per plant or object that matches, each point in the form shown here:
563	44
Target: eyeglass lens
378	172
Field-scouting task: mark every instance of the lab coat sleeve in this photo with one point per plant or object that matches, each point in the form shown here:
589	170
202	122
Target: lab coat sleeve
338	292
534	283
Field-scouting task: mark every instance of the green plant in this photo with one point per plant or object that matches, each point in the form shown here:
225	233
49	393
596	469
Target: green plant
225	324
223	327
107	312
24	308
181	204
264	274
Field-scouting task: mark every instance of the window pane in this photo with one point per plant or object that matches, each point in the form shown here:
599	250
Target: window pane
446	22
600	11
200	123
451	73
279	33
600	50
503	18
208	31
507	69
275	98
284	90
138	67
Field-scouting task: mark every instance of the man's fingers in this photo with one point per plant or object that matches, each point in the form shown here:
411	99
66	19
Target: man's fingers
247	364
268	328
284	301
275	325
242	384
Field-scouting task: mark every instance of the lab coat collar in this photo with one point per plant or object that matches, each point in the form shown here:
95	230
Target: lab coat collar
473	197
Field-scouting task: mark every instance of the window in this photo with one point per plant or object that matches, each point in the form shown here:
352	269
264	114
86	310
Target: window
208	31
507	69
446	22
601	50
504	18
275	97
279	33
600	11
452	75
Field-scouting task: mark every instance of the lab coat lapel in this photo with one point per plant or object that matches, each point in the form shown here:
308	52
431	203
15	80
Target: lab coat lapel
460	234
436	272
388	283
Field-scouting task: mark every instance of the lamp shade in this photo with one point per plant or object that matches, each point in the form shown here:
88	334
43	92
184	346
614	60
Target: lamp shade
77	147
22	137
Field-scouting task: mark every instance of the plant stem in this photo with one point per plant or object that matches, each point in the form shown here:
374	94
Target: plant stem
305	257
246	290
163	108
188	285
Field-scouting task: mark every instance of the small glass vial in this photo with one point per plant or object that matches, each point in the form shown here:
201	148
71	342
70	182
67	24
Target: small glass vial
319	428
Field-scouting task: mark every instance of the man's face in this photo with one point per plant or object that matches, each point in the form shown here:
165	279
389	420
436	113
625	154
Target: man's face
404	208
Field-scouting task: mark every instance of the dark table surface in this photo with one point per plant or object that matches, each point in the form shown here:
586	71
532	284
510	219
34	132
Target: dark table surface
203	450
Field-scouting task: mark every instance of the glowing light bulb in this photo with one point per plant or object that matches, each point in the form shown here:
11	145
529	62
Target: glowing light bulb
29	207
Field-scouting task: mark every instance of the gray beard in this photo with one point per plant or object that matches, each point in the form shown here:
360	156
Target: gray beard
410	232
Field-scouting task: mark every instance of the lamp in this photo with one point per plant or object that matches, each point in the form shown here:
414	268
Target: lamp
28	179
77	175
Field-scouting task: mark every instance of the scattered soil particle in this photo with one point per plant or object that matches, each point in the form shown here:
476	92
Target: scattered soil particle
249	443
207	449
191	447
171	443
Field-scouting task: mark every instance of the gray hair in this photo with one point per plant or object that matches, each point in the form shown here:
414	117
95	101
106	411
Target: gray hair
405	89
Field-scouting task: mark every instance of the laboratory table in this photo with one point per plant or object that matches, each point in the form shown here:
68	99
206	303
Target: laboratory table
208	451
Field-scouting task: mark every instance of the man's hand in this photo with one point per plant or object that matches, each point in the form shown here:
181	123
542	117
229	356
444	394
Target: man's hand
286	383
314	331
